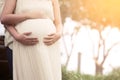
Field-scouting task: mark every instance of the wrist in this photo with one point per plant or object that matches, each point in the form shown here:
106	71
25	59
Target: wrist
59	33
16	36
13	32
26	16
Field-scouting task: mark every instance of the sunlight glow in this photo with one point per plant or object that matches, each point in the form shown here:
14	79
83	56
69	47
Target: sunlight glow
83	43
105	11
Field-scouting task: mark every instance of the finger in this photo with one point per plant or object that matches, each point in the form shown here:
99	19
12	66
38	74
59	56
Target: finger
47	40
49	37
51	34
30	43
32	39
27	33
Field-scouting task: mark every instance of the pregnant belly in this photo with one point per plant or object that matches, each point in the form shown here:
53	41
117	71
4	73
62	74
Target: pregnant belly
40	27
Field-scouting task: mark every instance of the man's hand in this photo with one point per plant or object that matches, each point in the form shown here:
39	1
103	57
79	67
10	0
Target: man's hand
51	38
35	14
26	40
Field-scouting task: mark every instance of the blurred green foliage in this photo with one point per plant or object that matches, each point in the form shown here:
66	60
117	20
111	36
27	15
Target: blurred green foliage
72	75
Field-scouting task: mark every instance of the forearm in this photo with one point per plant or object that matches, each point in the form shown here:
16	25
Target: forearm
12	31
13	19
57	16
58	28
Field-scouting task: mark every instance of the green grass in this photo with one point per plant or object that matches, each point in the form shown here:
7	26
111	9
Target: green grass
72	75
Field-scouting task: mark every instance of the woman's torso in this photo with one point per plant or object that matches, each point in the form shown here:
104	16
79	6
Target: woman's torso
38	27
31	5
44	6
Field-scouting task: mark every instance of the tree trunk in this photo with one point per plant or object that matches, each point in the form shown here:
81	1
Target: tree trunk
79	62
99	69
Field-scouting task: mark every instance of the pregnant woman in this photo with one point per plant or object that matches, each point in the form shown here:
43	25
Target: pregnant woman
35	26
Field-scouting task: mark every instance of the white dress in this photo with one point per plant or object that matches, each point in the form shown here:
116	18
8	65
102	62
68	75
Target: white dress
38	62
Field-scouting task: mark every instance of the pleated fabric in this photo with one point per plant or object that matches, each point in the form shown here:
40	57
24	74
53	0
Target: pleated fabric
38	62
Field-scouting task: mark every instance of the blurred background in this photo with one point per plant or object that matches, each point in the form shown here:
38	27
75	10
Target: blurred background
90	43
91	38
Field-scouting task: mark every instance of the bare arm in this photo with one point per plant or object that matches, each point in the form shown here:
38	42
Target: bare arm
57	16
7	16
13	19
22	38
52	38
8	9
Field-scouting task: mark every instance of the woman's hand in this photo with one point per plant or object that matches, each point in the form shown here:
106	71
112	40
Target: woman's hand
25	39
51	38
